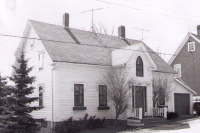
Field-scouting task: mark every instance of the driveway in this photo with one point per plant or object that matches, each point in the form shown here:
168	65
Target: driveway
191	126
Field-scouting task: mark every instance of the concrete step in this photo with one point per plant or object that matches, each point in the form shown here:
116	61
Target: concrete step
134	122
155	121
136	125
147	121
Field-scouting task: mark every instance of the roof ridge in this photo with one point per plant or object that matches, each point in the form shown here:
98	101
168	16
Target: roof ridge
85	30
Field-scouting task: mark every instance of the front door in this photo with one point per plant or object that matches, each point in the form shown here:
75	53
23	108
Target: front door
139	98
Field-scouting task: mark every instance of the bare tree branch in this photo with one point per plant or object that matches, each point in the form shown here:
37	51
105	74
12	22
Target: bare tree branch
161	90
118	81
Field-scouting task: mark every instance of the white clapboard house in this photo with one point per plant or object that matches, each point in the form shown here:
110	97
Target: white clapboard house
68	62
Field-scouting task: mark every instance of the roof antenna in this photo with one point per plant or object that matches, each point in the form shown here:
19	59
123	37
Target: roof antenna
92	10
142	31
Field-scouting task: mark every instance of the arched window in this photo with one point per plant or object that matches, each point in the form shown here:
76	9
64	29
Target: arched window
139	67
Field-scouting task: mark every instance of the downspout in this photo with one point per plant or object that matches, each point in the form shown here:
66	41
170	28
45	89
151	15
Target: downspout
52	122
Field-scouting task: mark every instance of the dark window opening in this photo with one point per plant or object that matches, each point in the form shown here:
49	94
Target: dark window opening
162	96
40	96
102	95
78	95
139	67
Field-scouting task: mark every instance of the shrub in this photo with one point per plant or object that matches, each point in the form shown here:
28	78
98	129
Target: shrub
73	126
95	122
197	107
172	115
67	126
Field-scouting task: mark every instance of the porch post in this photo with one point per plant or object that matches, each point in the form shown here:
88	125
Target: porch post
140	113
165	112
134	97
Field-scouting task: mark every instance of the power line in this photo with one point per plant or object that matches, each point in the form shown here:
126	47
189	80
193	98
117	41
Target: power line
166	9
146	11
89	45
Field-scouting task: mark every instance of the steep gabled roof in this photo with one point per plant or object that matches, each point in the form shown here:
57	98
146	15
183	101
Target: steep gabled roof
179	80
84	47
196	37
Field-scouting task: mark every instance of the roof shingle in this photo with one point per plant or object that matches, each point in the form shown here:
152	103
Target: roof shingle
78	46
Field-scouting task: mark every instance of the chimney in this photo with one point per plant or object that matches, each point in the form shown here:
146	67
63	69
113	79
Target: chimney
198	30
121	31
66	20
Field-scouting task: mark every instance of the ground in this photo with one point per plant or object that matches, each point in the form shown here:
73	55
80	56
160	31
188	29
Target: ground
191	126
183	126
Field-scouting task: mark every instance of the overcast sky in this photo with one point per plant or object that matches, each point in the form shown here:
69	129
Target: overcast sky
167	21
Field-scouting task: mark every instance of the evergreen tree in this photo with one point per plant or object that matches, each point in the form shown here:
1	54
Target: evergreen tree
3	103
20	120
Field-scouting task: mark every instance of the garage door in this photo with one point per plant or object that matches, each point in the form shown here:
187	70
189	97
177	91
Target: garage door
182	103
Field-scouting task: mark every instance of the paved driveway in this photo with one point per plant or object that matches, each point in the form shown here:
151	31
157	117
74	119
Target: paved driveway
192	126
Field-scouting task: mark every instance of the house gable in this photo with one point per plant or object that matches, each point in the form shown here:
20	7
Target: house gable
141	51
32	49
189	62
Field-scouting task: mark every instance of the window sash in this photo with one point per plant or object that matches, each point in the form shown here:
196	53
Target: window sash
139	67
177	67
40	60
78	95
191	46
102	95
40	96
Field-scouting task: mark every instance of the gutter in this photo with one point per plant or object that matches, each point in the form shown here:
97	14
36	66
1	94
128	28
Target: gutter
52	122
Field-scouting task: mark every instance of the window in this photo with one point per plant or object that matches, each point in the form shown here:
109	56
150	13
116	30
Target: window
41	60
177	68
139	67
32	43
161	99
191	46
102	95
40	95
78	95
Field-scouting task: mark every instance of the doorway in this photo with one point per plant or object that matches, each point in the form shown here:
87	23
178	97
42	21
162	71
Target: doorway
139	98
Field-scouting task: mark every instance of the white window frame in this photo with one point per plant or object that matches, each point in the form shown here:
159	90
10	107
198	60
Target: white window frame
191	43
32	43
175	68
41	85
41	59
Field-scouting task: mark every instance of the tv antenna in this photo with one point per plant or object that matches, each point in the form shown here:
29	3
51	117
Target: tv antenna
92	10
142	31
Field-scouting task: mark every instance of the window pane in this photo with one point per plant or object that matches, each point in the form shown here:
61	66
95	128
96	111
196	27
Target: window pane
78	95
40	60
102	95
40	96
139	67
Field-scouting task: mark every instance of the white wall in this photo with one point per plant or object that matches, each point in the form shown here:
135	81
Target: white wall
43	77
66	75
70	74
146	79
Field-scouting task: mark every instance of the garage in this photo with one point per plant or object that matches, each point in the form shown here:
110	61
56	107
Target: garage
182	103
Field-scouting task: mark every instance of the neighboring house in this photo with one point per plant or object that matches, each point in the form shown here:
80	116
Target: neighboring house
186	61
68	63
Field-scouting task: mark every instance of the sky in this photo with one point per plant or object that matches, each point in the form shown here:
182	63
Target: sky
165	23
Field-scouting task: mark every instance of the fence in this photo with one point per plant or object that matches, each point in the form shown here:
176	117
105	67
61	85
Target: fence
160	112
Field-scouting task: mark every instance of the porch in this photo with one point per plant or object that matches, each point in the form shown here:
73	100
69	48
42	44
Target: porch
136	117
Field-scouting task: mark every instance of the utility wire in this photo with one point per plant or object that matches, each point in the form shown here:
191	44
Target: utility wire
90	45
146	11
165	9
